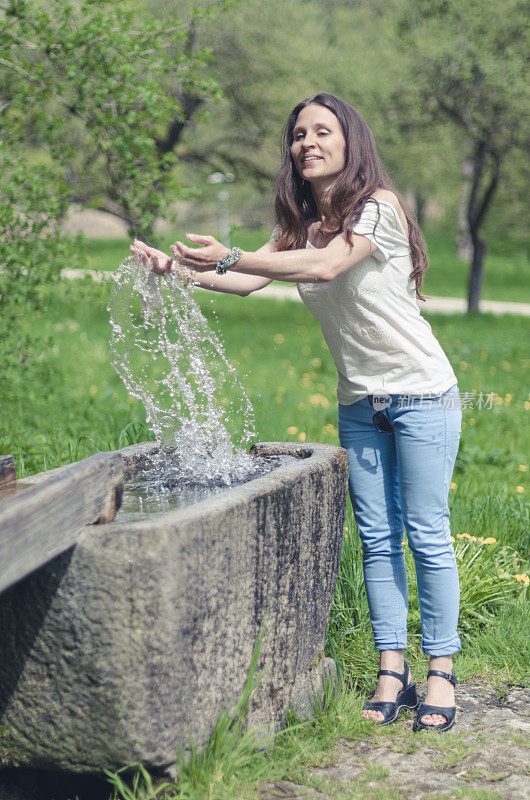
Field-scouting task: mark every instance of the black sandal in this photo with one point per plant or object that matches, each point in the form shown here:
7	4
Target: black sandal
406	698
424	709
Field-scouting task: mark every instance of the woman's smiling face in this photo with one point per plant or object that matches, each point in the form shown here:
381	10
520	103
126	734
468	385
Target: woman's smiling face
318	148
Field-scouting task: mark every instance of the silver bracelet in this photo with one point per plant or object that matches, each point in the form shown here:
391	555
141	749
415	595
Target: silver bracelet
228	260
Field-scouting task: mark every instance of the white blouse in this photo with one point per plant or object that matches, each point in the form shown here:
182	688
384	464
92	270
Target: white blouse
376	335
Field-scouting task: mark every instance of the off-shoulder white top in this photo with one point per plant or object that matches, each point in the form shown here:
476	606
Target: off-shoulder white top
376	335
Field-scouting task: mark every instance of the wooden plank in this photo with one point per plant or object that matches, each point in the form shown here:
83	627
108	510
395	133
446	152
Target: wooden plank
44	520
7	470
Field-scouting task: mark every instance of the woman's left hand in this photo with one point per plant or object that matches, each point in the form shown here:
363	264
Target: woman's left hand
201	259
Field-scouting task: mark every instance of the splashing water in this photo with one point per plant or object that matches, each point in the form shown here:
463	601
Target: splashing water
170	359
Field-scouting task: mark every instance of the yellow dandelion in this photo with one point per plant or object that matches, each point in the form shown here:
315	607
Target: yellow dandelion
523	468
490	540
306	350
519	489
279	338
291	430
522	578
453	485
93	389
316	363
318	400
472	421
464	365
527	405
463	536
302	436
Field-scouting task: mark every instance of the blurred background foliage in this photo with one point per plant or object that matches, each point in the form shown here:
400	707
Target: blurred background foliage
138	102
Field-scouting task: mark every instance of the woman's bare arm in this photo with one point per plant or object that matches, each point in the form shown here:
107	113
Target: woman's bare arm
238	283
231	283
307	266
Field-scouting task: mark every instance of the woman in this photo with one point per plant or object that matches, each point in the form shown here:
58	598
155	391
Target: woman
344	236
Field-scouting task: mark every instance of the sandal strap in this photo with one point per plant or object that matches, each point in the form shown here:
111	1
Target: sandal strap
390	672
386	707
403	677
424	710
448	677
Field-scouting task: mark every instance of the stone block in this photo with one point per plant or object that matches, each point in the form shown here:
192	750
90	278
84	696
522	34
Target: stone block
129	644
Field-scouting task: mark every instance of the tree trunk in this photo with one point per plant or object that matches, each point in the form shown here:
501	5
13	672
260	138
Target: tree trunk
464	244
145	234
480	198
476	274
420	201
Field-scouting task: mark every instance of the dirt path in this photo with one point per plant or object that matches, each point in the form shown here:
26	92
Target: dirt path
485	756
435	305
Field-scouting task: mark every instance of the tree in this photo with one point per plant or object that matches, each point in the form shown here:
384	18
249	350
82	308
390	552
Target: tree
262	69
33	198
106	91
468	65
368	66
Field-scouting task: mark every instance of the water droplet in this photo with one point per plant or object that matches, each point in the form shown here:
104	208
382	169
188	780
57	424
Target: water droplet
169	358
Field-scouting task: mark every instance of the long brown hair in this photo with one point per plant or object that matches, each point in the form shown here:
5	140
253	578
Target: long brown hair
362	175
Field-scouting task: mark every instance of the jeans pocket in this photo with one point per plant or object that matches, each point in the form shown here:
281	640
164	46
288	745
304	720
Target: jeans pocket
450	399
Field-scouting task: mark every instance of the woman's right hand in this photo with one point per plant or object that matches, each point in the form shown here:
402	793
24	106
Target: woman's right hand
155	260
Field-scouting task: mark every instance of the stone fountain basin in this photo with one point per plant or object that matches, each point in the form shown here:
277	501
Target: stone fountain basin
128	646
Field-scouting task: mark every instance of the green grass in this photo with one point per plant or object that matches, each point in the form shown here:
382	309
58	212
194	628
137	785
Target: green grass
506	274
289	375
231	766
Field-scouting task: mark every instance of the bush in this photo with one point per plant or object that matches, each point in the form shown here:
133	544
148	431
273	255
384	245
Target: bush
32	253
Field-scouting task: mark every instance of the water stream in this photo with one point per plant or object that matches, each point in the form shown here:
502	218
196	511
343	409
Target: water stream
169	358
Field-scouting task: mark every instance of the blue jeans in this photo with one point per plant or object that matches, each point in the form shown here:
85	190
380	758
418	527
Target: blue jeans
401	480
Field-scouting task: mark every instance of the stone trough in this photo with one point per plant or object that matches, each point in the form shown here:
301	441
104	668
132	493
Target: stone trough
129	644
